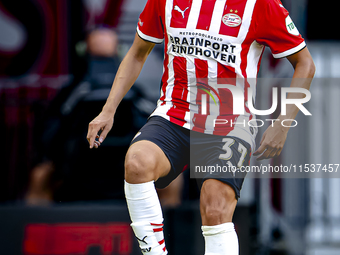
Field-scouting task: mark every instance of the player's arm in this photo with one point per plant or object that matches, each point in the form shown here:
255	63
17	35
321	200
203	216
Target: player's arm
275	136
126	76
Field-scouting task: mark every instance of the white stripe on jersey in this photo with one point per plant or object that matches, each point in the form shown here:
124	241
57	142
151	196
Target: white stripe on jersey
192	92
246	21
170	86
162	109
194	15
215	25
214	110
168	13
216	18
248	13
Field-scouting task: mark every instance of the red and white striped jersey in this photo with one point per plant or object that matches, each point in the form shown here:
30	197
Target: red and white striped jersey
209	44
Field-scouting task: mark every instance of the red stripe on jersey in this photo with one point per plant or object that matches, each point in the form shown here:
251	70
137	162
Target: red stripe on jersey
201	67
180	13
164	249
161	242
205	16
157	229
226	106
165	76
235	7
180	92
244	63
247	86
226	75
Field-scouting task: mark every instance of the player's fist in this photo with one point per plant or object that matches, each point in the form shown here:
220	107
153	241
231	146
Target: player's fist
98	129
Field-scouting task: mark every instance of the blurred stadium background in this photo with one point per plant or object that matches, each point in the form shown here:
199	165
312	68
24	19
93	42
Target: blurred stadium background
58	197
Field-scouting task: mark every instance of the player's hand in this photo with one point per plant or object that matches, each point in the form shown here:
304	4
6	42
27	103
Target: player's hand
98	129
272	142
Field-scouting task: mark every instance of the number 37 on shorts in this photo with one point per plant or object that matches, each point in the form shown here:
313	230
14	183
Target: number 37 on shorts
235	152
220	156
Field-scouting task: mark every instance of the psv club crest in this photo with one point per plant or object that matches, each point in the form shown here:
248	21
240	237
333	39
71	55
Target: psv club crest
232	20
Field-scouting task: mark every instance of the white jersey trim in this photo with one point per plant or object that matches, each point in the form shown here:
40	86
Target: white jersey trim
291	51
149	38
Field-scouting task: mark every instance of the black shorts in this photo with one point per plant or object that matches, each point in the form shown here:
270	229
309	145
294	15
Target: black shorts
200	152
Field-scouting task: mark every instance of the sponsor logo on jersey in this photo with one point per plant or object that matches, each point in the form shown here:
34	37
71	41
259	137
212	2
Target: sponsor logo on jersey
179	10
291	26
203	45
232	20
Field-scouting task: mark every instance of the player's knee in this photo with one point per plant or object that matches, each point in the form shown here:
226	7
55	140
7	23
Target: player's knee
213	209
140	167
214	214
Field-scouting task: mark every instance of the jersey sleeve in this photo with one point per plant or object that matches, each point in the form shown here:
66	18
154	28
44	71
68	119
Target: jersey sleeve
150	26
277	31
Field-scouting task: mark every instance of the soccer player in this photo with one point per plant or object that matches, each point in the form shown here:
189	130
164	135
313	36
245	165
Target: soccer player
208	44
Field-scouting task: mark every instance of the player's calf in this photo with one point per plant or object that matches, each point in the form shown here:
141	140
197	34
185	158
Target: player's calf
217	205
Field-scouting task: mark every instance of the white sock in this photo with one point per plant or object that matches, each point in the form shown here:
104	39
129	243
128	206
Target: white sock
220	239
146	216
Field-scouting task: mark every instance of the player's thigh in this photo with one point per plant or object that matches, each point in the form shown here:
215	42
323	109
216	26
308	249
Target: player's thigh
217	202
144	162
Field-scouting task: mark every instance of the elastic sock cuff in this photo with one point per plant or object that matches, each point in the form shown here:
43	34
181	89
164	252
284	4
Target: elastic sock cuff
140	191
218	229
